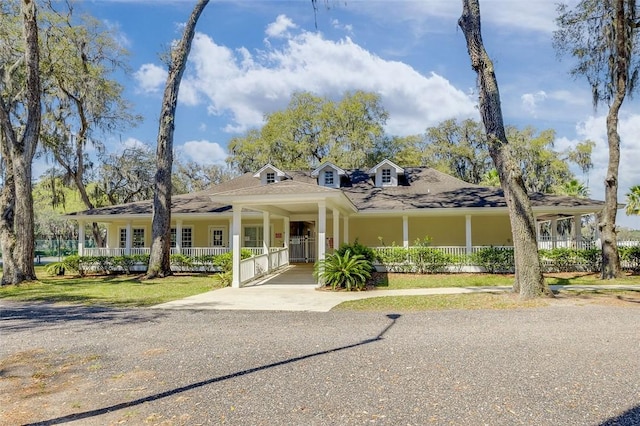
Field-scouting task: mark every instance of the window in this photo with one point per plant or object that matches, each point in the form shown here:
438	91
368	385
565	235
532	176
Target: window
328	178
187	240
122	242
386	176
217	237
271	177
253	236
137	237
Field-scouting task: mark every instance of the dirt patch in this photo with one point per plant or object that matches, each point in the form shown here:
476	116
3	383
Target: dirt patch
35	380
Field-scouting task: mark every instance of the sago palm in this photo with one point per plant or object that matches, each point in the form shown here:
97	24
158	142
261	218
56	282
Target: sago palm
348	270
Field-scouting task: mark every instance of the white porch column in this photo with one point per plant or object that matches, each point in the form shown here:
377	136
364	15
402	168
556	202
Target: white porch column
80	238
322	226
336	229
229	234
287	231
405	231
235	244
554	233
467	228
127	246
179	236
266	234
577	230
345	230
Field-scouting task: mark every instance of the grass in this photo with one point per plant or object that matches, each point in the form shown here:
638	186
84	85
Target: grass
441	302
110	290
407	281
129	291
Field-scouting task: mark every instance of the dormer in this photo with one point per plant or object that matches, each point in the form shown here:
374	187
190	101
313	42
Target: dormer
386	173
270	174
328	175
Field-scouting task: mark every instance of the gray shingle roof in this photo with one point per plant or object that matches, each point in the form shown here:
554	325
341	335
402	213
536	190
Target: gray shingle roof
418	188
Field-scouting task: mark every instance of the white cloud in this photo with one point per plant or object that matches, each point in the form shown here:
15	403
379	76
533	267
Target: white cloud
280	27
340	26
204	152
248	86
504	14
594	128
132	143
530	101
150	78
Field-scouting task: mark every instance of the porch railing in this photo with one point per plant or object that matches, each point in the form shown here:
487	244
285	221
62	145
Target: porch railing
261	264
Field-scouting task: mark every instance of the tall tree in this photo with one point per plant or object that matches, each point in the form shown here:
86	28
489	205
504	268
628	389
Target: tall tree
159	263
20	118
190	176
602	35
311	130
633	201
529	282
459	149
79	93
127	176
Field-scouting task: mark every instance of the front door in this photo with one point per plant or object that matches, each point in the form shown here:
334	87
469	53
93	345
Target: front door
302	242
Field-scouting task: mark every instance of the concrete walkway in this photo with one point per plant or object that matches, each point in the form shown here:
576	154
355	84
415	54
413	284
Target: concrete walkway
293	289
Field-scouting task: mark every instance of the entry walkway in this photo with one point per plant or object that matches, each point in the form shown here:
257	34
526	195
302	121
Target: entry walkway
293	289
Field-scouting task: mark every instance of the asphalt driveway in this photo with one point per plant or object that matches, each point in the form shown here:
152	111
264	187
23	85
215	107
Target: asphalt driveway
569	365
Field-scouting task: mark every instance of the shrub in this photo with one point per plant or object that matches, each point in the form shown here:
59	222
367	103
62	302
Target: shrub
494	260
591	258
124	262
181	261
560	259
75	263
631	257
349	271
427	260
358	249
395	259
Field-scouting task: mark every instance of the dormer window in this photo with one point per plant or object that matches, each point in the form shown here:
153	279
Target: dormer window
271	177
270	174
386	173
329	178
329	175
386	176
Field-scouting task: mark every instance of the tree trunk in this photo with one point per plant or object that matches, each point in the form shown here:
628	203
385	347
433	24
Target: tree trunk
529	281
8	203
610	257
159	259
20	153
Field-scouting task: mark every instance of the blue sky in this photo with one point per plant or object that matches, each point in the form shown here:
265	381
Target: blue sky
249	56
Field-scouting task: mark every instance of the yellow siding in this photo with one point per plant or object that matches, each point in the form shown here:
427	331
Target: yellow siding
491	230
442	231
368	231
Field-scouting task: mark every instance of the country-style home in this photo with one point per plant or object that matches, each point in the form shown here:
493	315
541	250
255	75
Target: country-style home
299	216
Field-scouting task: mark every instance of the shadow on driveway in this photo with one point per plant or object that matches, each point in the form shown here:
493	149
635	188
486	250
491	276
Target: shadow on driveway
157	396
21	316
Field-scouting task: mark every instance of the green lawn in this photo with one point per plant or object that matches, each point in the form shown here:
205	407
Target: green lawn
112	290
129	291
406	281
440	302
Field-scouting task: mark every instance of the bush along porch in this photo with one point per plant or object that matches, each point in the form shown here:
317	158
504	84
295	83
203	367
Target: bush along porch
418	259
